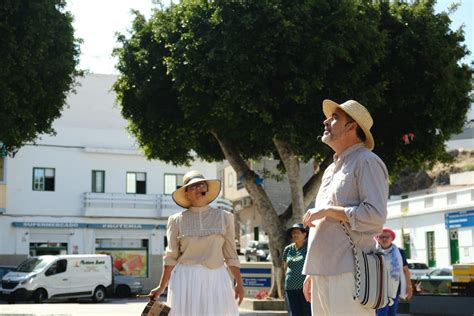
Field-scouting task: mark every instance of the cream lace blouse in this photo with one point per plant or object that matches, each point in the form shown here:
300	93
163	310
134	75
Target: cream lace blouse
201	235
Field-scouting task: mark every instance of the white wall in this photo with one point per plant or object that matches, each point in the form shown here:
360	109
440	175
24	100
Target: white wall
90	136
417	226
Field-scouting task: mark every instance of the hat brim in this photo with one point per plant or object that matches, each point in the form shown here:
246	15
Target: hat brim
290	230
213	190
329	107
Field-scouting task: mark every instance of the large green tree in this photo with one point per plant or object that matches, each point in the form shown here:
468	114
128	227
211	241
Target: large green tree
242	80
39	55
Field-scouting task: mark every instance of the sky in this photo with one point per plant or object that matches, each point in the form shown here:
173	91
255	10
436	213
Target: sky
97	21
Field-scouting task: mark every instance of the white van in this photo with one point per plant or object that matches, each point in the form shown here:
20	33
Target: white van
63	276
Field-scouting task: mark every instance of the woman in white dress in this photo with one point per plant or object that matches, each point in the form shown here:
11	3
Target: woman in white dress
201	244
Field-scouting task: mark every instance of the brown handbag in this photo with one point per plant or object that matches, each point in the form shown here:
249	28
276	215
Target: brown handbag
155	308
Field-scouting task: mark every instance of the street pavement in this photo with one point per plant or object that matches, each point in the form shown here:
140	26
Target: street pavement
86	307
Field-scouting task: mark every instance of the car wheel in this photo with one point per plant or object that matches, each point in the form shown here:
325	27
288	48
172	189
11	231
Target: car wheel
40	296
123	291
99	294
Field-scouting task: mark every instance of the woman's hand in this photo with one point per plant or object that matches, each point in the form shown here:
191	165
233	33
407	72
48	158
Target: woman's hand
156	292
239	292
307	288
409	292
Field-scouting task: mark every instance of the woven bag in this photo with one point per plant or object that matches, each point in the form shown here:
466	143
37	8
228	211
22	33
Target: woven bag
155	308
371	276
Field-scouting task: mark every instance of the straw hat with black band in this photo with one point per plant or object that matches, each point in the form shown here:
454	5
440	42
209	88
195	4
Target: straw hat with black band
358	112
192	177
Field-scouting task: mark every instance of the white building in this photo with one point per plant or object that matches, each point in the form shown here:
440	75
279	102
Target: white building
437	226
89	189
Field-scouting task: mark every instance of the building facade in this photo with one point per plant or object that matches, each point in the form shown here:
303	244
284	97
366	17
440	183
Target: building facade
89	189
436	227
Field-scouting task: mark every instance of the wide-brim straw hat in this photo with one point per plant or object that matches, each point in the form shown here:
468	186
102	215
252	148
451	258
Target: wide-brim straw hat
191	177
358	112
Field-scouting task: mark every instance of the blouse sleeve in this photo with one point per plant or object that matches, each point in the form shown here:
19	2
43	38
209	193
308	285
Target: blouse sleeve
229	249
172	250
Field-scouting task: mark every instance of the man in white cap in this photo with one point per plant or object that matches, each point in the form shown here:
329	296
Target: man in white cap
354	191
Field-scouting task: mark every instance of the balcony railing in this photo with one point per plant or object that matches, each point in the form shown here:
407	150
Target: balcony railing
136	205
431	203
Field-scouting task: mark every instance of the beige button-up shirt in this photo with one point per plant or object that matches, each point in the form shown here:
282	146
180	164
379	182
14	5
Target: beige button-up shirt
201	235
358	181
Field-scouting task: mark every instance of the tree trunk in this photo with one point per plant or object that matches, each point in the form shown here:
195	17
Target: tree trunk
292	167
310	189
275	228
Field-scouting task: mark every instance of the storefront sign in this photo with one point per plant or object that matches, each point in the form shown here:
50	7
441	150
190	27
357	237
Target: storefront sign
122	226
83	225
256	282
48	225
459	219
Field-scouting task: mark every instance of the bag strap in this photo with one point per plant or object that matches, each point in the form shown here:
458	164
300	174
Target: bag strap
356	260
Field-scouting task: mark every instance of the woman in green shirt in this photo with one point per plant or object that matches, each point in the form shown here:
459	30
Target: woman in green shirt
294	256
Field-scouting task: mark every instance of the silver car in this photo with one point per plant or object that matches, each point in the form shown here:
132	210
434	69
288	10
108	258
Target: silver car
124	286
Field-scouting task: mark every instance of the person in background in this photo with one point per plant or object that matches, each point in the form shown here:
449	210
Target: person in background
293	259
201	243
398	271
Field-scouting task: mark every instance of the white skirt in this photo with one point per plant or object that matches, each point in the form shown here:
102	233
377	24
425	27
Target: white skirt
195	290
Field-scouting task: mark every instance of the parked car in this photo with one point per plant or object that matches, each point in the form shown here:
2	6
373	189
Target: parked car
436	281
417	269
5	269
250	249
125	285
259	253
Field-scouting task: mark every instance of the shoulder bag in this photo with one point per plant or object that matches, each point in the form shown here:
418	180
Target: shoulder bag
371	277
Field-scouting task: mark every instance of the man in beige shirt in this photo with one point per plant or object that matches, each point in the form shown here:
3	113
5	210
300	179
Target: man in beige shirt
354	190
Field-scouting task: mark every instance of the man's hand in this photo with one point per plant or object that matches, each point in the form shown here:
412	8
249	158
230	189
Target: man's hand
239	293
307	288
313	214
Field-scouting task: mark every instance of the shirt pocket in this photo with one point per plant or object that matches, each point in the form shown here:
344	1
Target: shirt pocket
343	188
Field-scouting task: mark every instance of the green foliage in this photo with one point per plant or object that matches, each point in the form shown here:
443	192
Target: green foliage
254	70
38	59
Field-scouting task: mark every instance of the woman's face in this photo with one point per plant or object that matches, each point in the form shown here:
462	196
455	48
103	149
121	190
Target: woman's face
297	236
385	240
196	193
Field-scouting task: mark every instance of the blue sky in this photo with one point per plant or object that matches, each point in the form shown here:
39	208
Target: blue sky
97	21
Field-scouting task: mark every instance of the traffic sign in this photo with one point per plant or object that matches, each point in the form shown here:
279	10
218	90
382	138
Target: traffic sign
459	219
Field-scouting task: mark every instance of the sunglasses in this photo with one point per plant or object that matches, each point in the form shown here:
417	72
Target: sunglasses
385	237
197	185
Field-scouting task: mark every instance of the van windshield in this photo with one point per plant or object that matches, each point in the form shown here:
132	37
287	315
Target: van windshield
34	264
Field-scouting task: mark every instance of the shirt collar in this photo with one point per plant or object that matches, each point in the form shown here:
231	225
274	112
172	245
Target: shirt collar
348	151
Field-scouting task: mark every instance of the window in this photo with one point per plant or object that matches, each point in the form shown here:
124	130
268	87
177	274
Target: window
98	181
429	202
230	180
452	198
136	182
172	182
59	266
43	179
240	185
2	169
